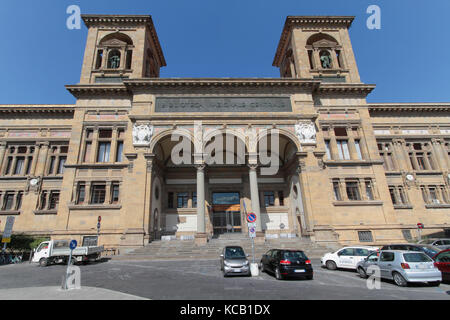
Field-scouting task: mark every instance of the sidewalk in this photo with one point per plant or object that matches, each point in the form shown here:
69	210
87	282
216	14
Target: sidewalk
56	293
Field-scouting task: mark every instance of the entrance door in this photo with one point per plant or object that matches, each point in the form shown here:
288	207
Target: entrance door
226	213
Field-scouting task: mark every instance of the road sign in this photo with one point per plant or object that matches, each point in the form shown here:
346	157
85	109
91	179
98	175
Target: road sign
420	225
252	232
6	238
251	217
99	219
73	244
98	225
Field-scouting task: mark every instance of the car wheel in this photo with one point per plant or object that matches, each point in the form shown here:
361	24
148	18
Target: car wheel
43	262
435	283
399	280
278	274
362	273
261	267
331	265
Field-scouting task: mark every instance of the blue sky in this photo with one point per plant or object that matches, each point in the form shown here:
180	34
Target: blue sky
408	59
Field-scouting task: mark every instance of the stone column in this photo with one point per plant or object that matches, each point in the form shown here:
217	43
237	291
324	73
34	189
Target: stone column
2	153
40	166
351	144
201	236
35	159
94	147
333	145
254	194
440	155
113	151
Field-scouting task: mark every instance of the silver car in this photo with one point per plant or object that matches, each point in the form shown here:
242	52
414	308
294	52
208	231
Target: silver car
233	261
402	267
440	243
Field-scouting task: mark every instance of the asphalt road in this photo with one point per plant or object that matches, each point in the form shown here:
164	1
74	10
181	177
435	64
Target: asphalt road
203	280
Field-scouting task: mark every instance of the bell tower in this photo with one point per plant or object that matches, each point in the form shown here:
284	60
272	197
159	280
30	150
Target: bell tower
316	47
120	47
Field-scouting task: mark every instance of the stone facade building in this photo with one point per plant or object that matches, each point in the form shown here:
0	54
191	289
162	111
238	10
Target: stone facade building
348	171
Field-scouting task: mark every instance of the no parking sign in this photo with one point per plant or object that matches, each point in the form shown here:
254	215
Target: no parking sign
251	217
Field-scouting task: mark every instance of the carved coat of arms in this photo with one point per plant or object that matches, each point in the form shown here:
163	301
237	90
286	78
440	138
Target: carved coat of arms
142	134
306	132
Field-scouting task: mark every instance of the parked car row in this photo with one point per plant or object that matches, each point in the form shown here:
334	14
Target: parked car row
282	263
402	263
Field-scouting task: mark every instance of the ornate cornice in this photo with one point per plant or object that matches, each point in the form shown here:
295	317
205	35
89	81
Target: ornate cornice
80	90
34	108
315	21
221	82
416	107
95	20
346	88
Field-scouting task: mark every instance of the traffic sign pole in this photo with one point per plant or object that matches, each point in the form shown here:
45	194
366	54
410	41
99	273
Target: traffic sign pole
73	245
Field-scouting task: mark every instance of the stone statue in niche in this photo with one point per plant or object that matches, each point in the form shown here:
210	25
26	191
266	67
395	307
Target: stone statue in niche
325	59
306	132
142	134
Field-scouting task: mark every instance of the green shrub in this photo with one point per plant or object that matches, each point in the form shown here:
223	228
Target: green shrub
23	242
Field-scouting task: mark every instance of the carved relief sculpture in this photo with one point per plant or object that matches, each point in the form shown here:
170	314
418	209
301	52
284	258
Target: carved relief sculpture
142	134
306	132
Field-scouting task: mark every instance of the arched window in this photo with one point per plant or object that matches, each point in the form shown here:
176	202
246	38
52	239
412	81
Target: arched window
324	52
114	59
114	51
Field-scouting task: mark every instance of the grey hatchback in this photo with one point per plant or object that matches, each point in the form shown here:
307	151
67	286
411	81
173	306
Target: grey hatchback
402	267
233	260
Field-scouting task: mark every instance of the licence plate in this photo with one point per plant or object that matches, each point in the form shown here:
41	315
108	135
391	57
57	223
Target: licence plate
236	270
299	270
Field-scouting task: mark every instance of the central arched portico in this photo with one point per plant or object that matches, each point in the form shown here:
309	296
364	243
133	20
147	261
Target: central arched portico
229	181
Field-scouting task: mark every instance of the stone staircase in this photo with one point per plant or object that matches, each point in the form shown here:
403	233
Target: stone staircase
187	249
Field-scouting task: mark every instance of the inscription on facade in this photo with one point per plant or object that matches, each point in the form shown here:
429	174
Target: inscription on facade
266	104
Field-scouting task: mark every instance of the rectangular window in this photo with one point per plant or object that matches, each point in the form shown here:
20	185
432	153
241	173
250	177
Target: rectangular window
424	195
182	200
420	162
19	165
8	202
170	200
269	198
103	151
43	202
115	193
433	195
358	149
8	165
54	200
98	194
393	197
337	191
28	168
365	236
62	162
344	153
119	152
52	165
369	190
353	191
19	200
81	194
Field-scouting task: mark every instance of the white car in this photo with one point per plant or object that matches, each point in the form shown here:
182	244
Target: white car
347	257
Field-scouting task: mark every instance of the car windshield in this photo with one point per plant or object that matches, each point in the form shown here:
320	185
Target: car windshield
430	251
446	242
294	255
416	257
234	253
